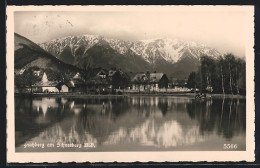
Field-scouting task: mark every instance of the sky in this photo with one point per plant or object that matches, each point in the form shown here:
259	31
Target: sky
224	30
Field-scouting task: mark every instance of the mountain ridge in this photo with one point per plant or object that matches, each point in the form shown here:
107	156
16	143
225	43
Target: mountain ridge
176	58
129	56
168	49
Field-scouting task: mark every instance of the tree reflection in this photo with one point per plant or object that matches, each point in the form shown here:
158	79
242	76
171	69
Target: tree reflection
163	106
225	116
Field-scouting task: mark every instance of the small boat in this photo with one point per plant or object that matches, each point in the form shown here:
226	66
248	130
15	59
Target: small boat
201	96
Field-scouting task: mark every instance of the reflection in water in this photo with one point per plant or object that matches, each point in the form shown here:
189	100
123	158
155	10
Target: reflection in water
115	123
168	134
42	106
57	134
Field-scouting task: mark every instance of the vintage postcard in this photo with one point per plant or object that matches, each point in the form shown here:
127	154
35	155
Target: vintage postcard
130	83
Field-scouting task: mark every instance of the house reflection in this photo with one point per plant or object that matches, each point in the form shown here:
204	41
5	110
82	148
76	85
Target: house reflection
42	106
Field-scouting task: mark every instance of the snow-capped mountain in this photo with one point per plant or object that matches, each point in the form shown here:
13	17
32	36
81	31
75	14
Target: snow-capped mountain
57	46
176	58
172	50
169	50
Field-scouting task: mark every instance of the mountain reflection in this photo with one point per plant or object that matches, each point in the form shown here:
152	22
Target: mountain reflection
168	134
65	133
160	122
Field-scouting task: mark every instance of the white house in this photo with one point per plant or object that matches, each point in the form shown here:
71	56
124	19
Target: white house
45	85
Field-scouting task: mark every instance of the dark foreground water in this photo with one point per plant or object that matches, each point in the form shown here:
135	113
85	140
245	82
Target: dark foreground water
129	124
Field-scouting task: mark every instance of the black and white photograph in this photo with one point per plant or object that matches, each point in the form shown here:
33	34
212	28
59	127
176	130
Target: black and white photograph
130	83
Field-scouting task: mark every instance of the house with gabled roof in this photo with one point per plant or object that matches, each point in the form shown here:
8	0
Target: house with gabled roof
149	81
102	74
45	85
158	80
140	82
65	87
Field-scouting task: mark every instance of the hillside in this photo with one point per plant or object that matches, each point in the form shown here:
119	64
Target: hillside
28	54
102	55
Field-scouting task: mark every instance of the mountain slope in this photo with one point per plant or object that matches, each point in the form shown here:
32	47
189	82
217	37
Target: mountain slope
102	55
28	54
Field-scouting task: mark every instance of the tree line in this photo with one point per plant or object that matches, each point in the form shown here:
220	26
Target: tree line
226	75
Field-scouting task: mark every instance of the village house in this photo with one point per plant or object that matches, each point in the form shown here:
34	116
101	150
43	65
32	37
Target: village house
45	85
179	85
102	74
149	81
103	81
158	80
97	84
65	87
140	82
117	79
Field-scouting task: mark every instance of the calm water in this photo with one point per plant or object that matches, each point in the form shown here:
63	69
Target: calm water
129	124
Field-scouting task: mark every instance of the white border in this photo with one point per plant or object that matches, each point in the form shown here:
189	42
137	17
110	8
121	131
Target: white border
175	156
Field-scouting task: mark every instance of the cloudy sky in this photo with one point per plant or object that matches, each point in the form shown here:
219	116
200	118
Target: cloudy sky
224	30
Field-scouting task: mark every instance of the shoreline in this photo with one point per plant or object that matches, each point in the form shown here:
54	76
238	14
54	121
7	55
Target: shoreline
80	95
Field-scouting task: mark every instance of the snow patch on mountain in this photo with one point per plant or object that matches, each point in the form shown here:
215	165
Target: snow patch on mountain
170	50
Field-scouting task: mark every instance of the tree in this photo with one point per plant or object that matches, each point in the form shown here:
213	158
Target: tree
230	59
191	83
241	81
164	81
239	74
86	72
207	71
224	75
29	77
221	65
20	82
237	68
117	80
148	80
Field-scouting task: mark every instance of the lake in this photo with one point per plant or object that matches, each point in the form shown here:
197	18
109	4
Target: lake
130	123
